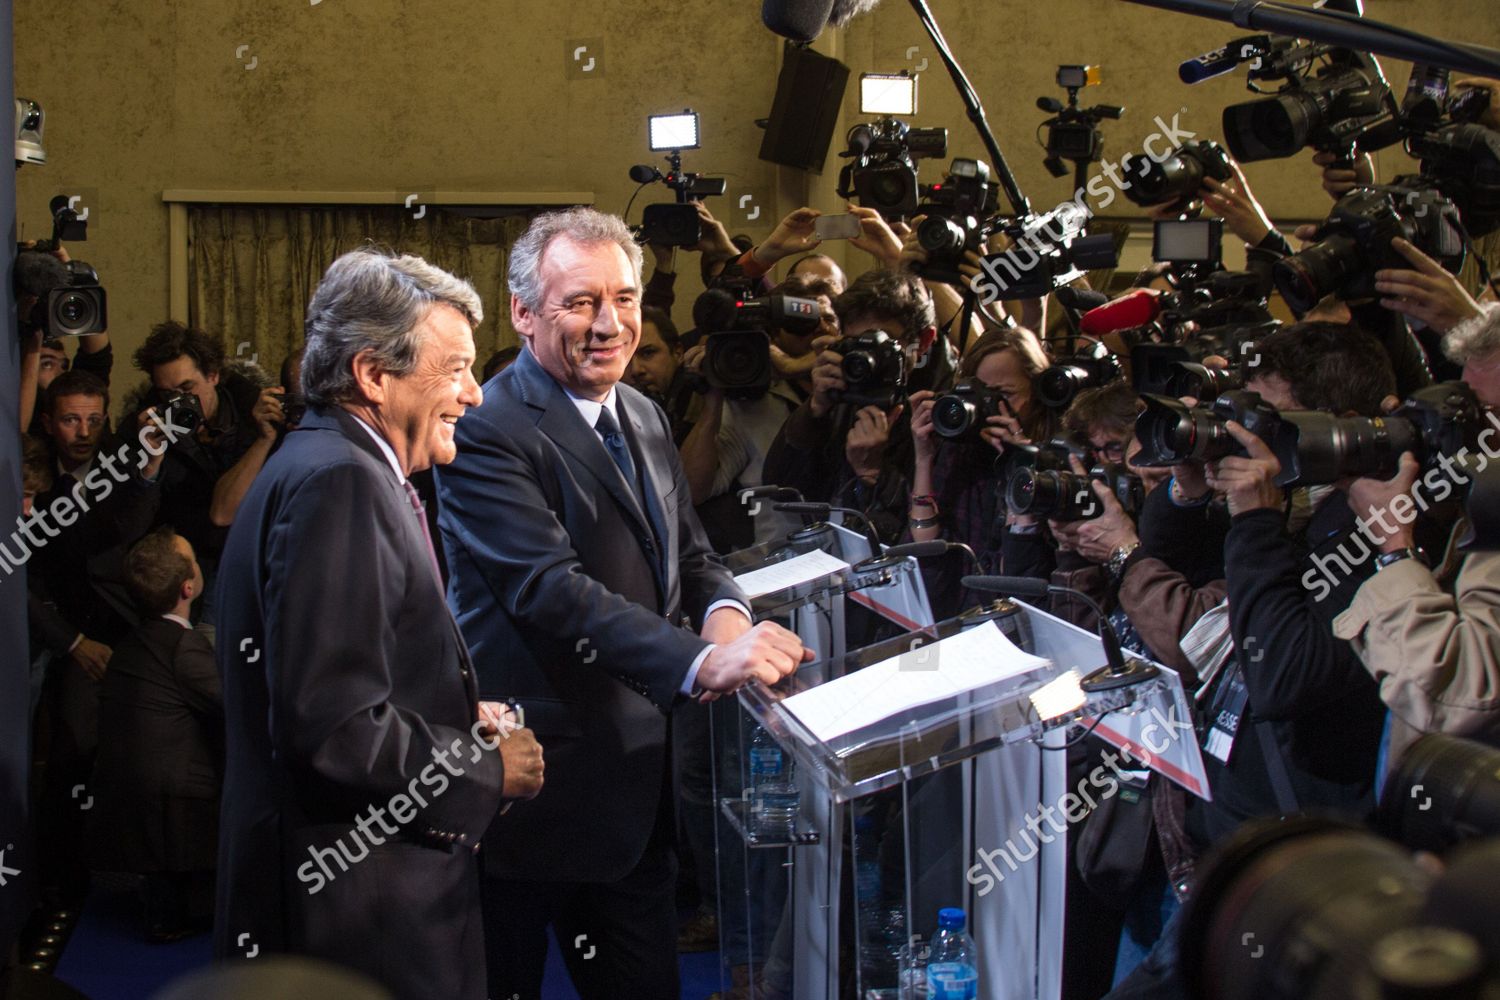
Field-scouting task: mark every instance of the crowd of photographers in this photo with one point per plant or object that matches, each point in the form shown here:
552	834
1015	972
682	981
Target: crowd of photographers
1294	515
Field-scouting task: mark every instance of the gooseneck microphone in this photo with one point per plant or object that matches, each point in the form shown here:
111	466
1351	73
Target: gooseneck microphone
929	550
1117	673
820	511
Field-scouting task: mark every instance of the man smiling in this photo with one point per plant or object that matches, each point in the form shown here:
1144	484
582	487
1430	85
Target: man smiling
345	679
576	561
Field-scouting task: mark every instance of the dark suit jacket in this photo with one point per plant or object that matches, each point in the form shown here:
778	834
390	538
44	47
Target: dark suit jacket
161	752
570	596
344	675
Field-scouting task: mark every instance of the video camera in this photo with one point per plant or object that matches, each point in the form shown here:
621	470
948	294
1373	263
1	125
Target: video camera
1439	424
1073	132
678	224
1173	433
883	175
1355	241
874	369
957	214
737	359
1459	156
70	300
1332	99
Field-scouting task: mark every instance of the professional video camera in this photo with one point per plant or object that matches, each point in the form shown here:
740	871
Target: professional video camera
1459	156
1059	385
70	300
1438	424
883	175
1178	176
737	358
1047	252
961	413
1172	433
1355	241
874	368
1064	495
1318	909
1333	99
1073	132
957	214
677	224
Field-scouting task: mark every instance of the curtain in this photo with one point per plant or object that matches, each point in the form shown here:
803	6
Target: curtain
253	268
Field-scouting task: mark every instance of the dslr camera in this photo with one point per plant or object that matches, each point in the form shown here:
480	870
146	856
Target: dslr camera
874	368
1172	433
1436	422
961	413
1355	241
1064	495
180	409
1178	176
883	175
957	211
1459	156
1059	385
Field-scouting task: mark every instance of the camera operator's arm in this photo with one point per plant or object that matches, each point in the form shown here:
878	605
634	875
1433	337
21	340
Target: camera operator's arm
877	237
700	449
924	454
659	288
234	484
1235	203
1435	654
1408	360
1304	666
864	447
793	235
1426	292
947	302
1339	181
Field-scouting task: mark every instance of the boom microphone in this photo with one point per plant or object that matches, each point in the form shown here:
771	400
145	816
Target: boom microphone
799	20
1133	309
1221	61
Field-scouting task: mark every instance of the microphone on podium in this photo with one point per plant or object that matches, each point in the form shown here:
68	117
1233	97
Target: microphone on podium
820	511
929	550
1117	672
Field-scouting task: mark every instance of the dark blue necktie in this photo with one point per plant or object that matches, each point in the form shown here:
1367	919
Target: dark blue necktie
614	442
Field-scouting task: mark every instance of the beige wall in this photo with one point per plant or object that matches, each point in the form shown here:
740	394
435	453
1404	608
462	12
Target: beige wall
385	95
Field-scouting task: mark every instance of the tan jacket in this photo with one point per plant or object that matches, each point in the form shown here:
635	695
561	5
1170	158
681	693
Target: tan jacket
1435	657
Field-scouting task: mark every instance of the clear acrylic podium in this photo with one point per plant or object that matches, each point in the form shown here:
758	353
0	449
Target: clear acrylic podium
896	818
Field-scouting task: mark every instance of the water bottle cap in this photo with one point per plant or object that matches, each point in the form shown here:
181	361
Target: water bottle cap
951	918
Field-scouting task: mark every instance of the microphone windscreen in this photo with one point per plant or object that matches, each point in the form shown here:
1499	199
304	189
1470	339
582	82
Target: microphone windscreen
38	273
643	174
713	311
1020	586
799	20
1135	308
1080	299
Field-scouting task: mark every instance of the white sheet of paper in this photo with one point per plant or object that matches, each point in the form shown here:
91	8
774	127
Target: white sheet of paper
789	573
964	662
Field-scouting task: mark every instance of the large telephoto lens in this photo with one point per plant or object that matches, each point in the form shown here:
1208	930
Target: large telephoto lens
1317	448
1188	378
1294	909
1306	278
1442	791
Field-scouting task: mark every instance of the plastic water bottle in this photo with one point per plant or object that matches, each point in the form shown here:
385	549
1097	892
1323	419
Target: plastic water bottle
953	965
773	789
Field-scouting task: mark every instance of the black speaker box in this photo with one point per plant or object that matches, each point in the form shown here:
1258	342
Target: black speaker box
808	93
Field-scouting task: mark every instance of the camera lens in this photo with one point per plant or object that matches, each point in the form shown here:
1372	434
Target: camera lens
952	416
940	236
1177	176
1057	386
1269	129
859	366
1306	278
1318	448
74	311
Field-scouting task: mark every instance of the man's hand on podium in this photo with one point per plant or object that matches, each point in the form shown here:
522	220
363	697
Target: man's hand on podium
765	652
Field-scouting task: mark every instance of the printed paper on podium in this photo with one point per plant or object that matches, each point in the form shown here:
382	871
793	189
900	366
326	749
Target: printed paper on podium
789	573
964	662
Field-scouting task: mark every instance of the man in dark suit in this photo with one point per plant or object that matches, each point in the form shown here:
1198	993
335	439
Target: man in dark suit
348	693
161	717
575	563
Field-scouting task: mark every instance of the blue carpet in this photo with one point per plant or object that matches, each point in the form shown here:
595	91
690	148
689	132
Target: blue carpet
107	957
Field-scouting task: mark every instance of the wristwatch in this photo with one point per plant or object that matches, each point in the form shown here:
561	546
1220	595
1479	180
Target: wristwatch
1387	558
1117	559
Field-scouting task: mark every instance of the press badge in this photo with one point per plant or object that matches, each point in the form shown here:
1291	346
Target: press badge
1230	702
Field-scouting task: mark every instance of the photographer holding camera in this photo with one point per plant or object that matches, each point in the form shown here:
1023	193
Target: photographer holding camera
847	443
44	355
1430	637
232	427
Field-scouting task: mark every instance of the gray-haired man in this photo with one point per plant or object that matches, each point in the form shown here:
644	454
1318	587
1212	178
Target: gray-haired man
360	773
